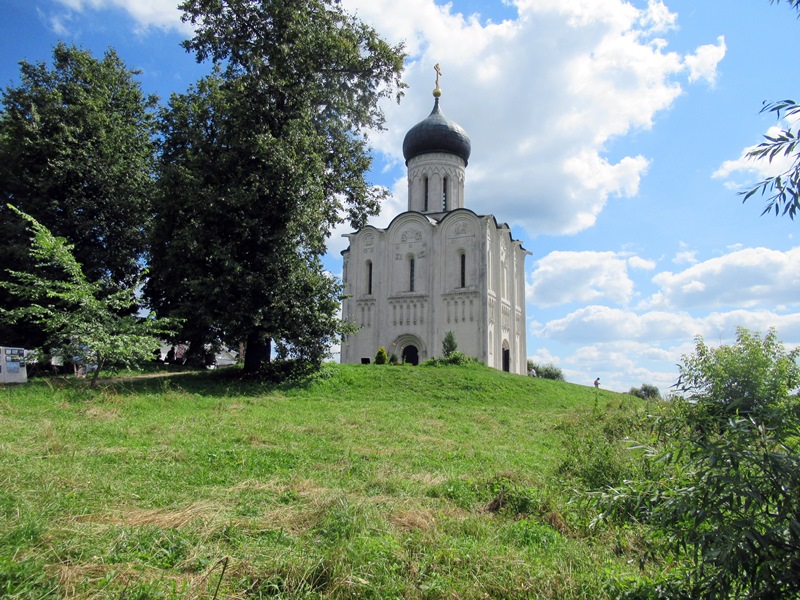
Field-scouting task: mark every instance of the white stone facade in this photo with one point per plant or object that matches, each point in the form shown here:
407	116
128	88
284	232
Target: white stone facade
436	268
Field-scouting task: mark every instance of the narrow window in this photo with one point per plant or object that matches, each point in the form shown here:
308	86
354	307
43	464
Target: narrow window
463	258
426	194
369	277
444	194
411	275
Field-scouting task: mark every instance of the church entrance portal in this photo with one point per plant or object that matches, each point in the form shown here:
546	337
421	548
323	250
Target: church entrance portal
506	357
411	355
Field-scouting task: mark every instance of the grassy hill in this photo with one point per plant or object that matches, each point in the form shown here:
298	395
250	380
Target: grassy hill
368	481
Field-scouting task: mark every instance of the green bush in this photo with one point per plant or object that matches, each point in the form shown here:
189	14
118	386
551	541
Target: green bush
456	358
381	358
546	371
724	494
449	344
646	392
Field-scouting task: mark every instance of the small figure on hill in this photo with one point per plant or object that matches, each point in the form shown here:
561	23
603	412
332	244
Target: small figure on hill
597	383
532	372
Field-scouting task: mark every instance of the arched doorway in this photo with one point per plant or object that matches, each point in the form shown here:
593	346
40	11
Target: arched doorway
411	355
506	357
410	348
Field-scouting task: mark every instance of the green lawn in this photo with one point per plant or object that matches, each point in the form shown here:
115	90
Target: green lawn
369	481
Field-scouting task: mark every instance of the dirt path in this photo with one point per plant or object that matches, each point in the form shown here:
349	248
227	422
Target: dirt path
142	376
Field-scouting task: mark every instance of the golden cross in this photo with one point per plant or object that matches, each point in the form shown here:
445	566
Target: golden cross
438	73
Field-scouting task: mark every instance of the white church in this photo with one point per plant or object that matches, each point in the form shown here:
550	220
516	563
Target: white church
437	267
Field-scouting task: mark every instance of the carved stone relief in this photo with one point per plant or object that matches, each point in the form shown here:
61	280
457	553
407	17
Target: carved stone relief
411	235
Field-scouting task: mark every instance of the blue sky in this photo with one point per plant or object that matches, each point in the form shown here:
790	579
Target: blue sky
608	134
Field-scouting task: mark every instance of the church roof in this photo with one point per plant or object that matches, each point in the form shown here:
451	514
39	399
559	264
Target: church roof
436	133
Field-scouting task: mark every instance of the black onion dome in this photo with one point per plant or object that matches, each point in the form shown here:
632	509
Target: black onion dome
436	133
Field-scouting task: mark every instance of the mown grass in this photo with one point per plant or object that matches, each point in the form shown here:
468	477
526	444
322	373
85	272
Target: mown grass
365	482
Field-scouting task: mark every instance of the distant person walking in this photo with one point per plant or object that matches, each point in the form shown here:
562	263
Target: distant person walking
597	383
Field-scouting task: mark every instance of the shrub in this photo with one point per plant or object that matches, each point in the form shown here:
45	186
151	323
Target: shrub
381	358
646	392
449	344
726	500
547	371
456	358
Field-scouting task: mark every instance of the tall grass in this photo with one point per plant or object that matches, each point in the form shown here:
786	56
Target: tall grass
365	481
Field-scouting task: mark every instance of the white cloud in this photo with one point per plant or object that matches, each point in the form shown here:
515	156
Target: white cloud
654	329
754	288
146	13
545	356
757	169
720	327
565	277
658	17
703	63
753	169
685	257
58	23
643	264
621	365
744	278
591	323
540	96
626	348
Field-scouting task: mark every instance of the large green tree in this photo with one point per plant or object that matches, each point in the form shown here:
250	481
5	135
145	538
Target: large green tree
77	154
259	161
84	320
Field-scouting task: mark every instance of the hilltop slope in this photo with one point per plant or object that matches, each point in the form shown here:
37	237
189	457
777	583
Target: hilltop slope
372	480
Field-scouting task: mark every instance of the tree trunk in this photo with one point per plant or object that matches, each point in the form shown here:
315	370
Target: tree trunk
259	348
195	355
93	380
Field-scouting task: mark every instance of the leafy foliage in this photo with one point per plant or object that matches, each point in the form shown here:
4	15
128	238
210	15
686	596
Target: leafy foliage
76	153
259	161
646	392
724	490
753	376
81	319
449	344
795	4
381	358
783	190
547	371
454	358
